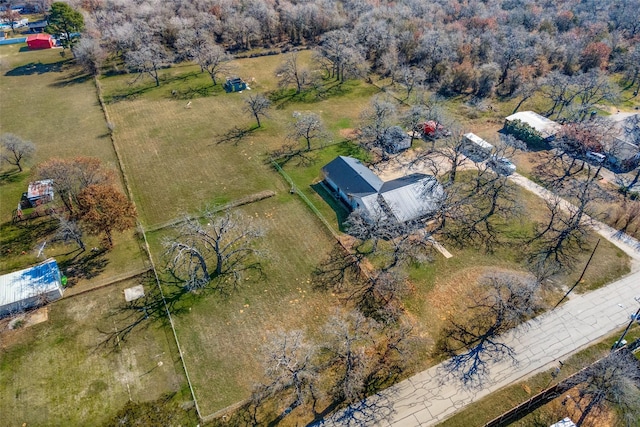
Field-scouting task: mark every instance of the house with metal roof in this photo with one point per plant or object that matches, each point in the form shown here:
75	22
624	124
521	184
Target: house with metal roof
405	199
30	287
545	127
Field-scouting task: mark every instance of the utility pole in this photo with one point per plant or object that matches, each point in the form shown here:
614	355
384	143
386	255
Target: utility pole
634	318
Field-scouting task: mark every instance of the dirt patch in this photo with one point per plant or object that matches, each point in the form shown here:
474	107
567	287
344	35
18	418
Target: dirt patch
348	133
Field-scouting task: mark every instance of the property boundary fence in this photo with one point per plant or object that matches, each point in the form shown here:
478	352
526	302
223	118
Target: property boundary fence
547	395
305	199
146	245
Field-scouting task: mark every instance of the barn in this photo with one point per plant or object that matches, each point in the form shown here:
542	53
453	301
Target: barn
40	41
30	287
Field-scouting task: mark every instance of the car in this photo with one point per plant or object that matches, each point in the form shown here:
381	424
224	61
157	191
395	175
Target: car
501	165
596	157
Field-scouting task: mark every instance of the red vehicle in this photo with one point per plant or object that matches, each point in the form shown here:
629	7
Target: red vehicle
433	129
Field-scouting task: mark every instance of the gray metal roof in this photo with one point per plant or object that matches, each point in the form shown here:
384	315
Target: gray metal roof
352	176
418	196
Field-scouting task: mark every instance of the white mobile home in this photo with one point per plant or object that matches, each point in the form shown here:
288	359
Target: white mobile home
30	287
475	147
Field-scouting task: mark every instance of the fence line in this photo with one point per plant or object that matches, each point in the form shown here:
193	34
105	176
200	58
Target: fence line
545	396
146	244
305	199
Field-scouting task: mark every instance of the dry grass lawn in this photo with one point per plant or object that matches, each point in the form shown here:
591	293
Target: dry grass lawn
59	372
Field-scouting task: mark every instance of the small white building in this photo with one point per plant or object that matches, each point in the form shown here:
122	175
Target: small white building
545	127
475	147
30	287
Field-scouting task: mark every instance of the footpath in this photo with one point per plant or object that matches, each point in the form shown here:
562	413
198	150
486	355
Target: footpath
432	396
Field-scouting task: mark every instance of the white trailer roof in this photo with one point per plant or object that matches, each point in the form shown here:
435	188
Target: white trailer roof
478	141
546	127
27	283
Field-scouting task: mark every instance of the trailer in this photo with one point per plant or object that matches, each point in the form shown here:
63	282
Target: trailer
476	148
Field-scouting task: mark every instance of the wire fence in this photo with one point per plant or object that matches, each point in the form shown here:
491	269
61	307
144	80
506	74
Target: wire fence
305	199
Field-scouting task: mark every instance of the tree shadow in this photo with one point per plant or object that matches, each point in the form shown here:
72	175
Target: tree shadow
76	78
235	135
20	237
36	68
373	410
342	213
139	314
10	177
85	265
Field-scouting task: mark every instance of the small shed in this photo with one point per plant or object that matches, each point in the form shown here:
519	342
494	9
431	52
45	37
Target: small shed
396	140
30	287
40	41
235	84
39	193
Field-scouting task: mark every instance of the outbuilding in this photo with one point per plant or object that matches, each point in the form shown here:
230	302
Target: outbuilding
30	287
40	41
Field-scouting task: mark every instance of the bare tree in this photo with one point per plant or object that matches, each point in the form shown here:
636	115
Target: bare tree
200	47
411	118
614	380
410	77
222	247
257	105
340	56
69	230
309	127
376	120
472	339
289	368
348	337
291	72
90	54
450	149
148	59
562	236
15	149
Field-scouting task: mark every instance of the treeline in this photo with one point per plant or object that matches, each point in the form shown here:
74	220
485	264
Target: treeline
454	46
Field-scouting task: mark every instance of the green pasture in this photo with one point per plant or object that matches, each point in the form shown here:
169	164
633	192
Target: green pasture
177	158
175	155
222	335
70	370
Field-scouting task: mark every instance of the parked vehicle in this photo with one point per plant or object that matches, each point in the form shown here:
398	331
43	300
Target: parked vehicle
432	129
501	165
595	157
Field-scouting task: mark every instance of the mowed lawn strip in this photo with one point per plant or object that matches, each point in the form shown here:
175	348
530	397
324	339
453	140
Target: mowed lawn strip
222	336
60	372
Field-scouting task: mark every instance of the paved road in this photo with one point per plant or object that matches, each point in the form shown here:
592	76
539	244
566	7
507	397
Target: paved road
429	397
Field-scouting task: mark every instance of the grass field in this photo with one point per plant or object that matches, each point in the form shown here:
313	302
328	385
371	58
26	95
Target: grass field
173	156
175	162
64	372
46	100
222	335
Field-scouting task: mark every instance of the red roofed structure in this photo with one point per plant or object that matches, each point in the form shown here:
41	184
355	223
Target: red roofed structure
40	41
